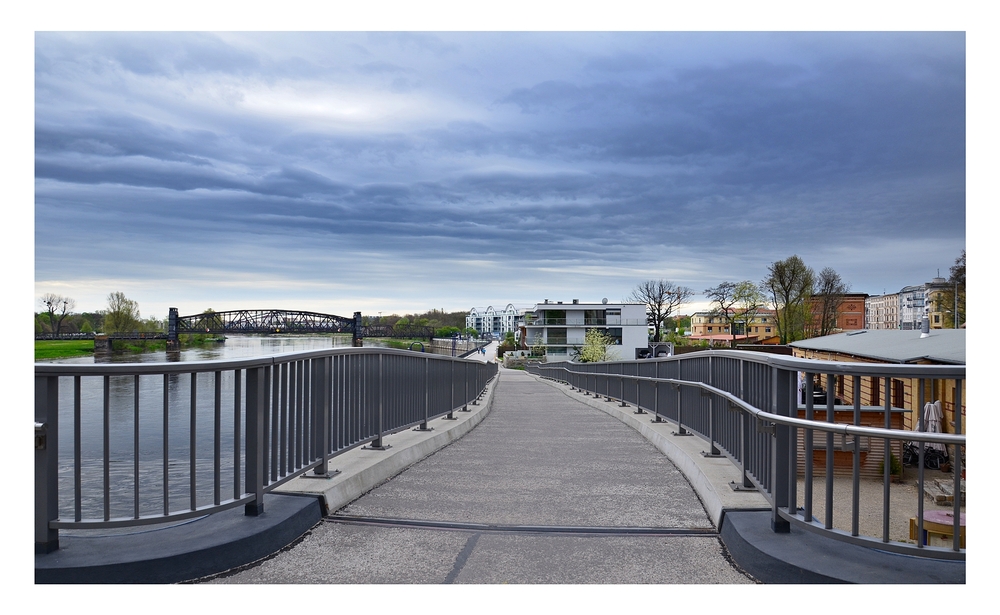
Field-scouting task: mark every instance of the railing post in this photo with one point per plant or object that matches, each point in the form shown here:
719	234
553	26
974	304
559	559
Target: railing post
783	392
465	377
46	462
427	400
321	392
713	451
378	444
451	407
254	472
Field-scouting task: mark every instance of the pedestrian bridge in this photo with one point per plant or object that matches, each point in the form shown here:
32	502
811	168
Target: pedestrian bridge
593	464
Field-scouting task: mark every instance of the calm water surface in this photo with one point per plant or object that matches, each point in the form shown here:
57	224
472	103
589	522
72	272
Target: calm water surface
127	450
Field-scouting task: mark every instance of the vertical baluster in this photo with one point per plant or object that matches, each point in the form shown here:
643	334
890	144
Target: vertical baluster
217	458
107	448
166	444
237	436
957	468
856	468
193	460
135	447
77	451
887	455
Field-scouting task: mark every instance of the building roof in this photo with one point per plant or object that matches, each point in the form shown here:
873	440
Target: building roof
894	346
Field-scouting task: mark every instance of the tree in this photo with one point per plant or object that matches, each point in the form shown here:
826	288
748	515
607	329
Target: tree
954	296
737	302
122	315
788	285
830	291
723	297
661	298
596	347
57	304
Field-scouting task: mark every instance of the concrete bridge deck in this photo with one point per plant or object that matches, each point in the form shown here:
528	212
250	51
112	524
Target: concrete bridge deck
550	487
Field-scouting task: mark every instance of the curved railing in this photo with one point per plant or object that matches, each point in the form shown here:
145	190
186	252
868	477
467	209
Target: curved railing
120	445
747	405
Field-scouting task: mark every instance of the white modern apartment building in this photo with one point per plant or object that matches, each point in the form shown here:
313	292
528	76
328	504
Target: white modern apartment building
491	321
561	327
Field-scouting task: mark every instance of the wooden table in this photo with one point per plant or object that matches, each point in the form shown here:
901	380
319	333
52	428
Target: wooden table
940	522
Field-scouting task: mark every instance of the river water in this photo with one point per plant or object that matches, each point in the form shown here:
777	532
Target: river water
234	347
111	453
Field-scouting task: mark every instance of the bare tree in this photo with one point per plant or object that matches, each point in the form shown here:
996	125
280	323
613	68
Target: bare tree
830	291
661	298
789	284
57	304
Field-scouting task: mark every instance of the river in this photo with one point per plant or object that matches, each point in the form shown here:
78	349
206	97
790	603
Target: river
123	453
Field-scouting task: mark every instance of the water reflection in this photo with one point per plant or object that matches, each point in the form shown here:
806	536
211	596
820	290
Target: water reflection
144	426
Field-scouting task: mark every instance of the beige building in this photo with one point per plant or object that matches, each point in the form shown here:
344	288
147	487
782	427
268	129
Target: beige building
710	325
940	347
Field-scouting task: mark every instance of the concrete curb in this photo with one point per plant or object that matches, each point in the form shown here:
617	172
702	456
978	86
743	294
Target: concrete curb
183	551
362	469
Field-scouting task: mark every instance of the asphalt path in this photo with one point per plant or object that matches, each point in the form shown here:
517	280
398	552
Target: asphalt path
546	490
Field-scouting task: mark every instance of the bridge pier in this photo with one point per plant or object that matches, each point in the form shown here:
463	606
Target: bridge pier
102	344
358	340
173	341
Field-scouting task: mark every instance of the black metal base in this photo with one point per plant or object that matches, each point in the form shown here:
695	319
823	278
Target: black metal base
423	429
708	455
328	474
681	433
739	487
377	448
639	411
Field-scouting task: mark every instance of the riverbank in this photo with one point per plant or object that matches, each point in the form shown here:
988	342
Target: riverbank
63	349
70	349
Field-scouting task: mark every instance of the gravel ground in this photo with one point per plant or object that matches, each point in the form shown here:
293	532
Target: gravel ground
903	502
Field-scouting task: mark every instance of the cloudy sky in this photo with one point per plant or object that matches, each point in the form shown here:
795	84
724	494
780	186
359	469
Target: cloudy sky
403	171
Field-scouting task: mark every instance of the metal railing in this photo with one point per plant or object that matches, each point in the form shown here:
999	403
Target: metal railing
746	406
120	445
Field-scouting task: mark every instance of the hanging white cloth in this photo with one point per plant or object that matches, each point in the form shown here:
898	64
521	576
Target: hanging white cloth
932	422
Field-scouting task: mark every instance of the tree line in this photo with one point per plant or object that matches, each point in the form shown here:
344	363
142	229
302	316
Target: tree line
120	316
805	304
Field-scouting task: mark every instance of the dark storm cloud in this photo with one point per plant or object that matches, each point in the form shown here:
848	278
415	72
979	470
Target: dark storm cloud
517	152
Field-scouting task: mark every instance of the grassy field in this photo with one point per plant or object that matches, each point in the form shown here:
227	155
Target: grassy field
60	349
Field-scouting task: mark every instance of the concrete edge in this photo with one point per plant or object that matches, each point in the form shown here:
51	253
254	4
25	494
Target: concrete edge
182	551
362	469
229	539
805	557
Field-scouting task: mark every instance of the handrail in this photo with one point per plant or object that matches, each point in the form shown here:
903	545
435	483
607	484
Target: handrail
841	428
140	437
763	390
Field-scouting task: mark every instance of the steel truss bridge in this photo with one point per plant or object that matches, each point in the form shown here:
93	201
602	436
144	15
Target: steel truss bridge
286	321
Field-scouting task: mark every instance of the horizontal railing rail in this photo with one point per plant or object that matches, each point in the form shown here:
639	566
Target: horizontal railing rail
749	408
119	445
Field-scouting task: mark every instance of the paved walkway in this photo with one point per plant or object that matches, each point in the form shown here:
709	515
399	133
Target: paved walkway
546	489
